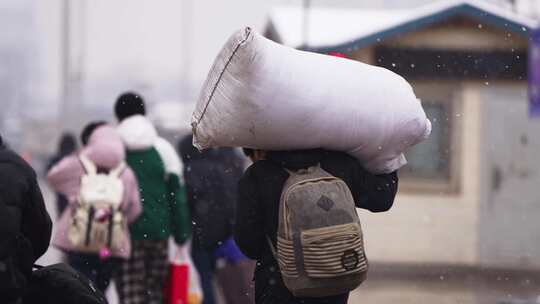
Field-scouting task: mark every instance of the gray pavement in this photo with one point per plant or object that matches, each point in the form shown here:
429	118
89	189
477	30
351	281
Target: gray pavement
390	284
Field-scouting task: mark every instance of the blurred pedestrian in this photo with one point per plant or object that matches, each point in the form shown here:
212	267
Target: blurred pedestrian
258	209
25	225
211	182
66	145
165	212
103	148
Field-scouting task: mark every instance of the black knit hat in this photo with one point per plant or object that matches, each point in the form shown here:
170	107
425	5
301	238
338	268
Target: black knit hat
129	104
89	129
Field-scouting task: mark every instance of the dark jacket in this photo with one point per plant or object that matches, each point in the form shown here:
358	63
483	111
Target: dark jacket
211	179
258	204
25	224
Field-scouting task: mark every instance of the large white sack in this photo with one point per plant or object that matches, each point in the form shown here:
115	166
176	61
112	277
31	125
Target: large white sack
260	94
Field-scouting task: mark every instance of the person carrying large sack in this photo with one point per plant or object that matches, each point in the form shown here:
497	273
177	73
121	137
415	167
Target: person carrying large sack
25	225
165	213
103	197
296	216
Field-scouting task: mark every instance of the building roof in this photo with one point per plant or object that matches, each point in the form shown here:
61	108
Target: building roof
331	29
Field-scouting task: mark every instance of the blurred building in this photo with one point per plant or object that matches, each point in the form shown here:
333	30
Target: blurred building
16	62
73	58
470	194
91	50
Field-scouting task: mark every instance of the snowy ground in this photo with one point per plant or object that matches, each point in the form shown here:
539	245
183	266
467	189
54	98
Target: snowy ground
391	285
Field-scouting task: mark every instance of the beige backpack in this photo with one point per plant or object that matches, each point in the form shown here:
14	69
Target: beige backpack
98	222
319	243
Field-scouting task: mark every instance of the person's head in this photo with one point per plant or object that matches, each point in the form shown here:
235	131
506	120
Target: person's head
89	129
67	143
129	104
254	154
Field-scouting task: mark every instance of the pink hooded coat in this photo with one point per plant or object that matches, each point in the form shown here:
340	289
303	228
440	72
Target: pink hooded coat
106	150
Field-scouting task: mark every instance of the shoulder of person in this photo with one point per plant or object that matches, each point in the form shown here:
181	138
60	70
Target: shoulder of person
13	160
67	163
339	157
263	169
169	156
128	174
340	163
344	159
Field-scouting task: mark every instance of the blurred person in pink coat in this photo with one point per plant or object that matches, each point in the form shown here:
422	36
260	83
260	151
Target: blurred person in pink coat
104	148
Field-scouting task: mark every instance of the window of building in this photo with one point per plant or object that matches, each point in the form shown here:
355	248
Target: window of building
432	164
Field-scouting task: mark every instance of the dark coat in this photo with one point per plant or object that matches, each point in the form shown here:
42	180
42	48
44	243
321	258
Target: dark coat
211	180
25	225
19	191
258	205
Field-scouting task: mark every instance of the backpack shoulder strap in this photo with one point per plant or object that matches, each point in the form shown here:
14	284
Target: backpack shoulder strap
88	166
272	248
117	172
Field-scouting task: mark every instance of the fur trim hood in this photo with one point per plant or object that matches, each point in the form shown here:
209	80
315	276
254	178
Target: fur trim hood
137	133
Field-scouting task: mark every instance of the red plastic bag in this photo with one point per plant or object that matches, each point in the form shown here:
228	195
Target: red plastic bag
177	287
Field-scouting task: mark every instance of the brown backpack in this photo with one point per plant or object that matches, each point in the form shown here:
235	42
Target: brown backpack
320	248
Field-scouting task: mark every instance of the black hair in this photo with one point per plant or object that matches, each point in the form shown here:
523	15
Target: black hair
67	143
89	129
248	152
129	104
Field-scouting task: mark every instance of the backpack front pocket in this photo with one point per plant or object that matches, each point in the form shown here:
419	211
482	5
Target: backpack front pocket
333	251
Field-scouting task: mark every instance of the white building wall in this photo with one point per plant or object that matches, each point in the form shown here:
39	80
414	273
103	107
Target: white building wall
435	228
493	221
508	225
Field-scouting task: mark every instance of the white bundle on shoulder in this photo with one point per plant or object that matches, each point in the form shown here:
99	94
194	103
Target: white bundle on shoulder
263	95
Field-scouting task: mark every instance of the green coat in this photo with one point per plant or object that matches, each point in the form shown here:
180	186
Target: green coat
165	210
157	168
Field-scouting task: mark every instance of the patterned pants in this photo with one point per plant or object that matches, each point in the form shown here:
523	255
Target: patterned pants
140	280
